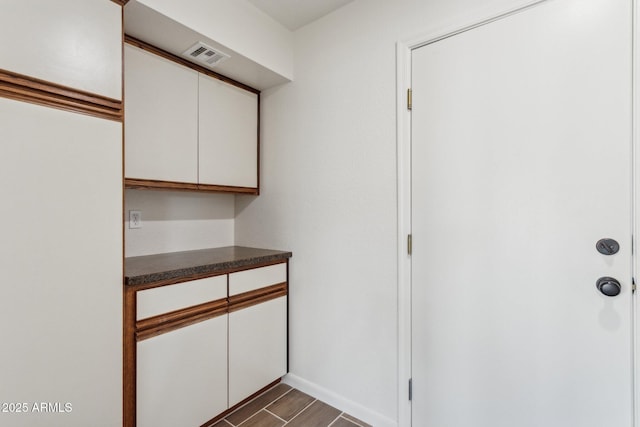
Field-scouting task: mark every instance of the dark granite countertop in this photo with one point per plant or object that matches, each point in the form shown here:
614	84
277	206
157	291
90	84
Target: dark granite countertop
142	270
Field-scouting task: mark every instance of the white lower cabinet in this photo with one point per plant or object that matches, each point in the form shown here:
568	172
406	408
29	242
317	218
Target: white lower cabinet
257	347
182	375
188	375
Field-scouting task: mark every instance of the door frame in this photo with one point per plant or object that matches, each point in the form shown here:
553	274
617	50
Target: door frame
404	48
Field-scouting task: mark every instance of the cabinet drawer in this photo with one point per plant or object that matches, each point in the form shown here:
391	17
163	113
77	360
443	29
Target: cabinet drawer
249	280
152	302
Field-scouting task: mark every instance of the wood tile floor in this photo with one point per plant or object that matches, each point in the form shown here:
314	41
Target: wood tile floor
286	406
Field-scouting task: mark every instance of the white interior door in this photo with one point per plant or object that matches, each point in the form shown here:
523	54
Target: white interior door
521	162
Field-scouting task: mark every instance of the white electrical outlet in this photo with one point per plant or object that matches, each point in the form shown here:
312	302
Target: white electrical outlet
135	219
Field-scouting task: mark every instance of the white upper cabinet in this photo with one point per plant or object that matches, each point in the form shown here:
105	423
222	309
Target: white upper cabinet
228	124
161	118
73	43
186	129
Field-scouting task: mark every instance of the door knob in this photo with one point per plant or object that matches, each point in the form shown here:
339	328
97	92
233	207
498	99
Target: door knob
608	286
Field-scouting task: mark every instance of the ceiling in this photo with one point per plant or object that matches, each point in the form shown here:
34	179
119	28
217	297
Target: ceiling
147	24
294	14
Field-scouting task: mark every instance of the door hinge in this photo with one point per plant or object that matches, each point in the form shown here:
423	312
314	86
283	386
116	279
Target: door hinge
409	244
410	388
409	99
633	284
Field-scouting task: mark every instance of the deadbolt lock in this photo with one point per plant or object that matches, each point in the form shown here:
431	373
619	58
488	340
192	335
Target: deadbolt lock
607	246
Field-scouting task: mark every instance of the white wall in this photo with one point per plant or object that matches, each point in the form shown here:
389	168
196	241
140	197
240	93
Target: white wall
237	24
329	193
178	221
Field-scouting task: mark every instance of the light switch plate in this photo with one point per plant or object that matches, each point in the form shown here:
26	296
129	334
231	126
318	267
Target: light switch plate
135	219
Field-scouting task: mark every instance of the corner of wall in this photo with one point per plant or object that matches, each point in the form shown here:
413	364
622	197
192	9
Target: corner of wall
343	404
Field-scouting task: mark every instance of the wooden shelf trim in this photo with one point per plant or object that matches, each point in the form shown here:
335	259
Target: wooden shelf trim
258	296
129	358
29	89
171	57
167	322
149	184
120	2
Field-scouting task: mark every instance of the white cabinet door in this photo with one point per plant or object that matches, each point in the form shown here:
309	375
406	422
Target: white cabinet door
257	347
61	304
228	142
182	375
75	43
161	118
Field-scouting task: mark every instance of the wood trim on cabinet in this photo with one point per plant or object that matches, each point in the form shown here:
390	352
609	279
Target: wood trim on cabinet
129	297
171	57
227	189
150	184
288	316
129	359
258	296
29	89
121	2
167	322
258	148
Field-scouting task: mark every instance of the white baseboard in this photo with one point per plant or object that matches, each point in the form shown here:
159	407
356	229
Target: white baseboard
339	402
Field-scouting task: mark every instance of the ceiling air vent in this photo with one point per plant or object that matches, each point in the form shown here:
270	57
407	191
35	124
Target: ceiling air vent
205	55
